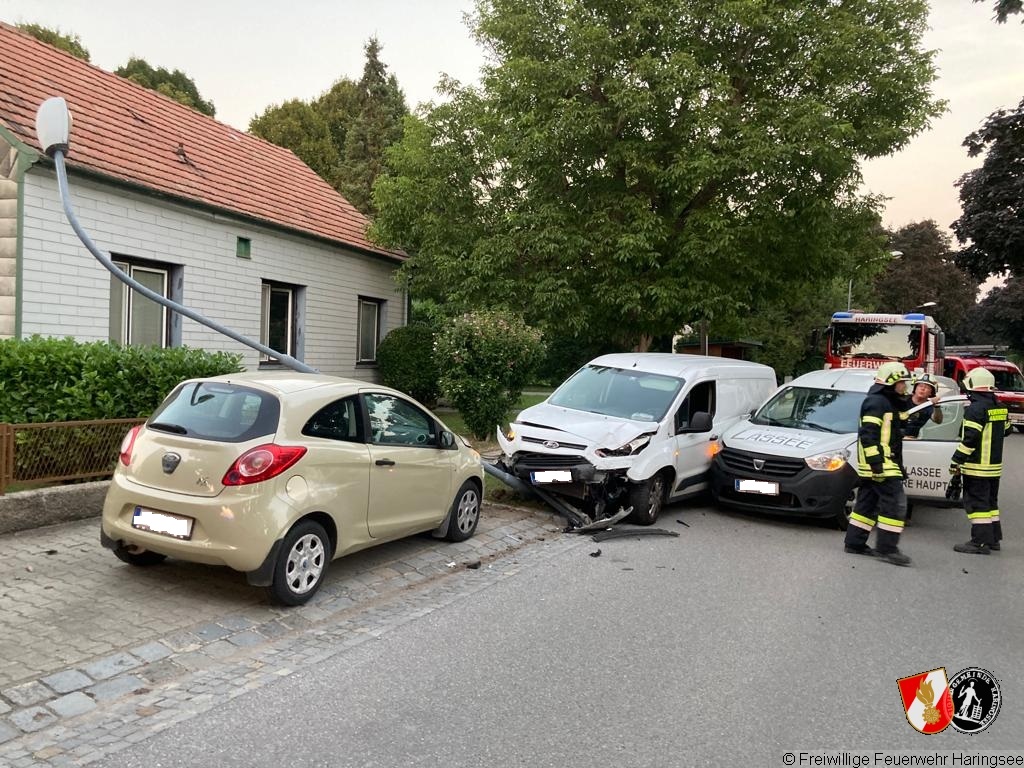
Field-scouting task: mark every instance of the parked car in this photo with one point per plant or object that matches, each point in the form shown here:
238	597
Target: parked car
797	454
276	474
1009	380
632	430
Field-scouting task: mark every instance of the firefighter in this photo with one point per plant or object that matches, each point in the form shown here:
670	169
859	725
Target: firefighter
922	390
978	459
881	500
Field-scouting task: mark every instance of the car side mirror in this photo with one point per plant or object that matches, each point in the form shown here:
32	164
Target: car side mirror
447	439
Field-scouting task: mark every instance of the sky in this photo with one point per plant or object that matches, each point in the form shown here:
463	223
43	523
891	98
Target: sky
246	55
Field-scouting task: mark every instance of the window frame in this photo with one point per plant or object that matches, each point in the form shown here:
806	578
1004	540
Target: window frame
267	290
378	307
129	296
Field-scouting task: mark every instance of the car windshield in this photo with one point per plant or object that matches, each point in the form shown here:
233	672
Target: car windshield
1009	381
826	410
215	410
627	394
876	341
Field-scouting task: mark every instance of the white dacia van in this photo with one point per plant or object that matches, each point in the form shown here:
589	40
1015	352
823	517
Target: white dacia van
633	430
797	454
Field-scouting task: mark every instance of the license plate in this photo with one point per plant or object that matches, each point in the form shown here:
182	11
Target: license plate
552	476
1017	418
176	526
758	486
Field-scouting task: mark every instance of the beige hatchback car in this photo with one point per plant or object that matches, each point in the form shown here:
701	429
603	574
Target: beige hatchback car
276	474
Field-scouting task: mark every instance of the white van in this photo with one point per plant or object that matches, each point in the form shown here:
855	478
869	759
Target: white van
797	454
631	430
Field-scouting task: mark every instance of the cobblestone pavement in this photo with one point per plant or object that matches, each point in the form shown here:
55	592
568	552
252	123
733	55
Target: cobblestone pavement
96	655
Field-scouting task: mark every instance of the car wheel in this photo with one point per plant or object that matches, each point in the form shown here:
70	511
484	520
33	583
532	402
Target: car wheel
133	555
647	499
465	513
301	564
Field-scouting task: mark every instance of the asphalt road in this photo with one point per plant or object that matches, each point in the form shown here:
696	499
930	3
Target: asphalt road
740	640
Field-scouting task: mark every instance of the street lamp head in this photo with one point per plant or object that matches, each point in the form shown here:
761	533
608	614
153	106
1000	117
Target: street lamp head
53	125
895	254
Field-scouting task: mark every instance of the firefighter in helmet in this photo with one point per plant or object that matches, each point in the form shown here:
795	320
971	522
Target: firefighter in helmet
922	390
881	500
978	459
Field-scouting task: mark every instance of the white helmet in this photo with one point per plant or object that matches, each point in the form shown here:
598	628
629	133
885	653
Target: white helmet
980	380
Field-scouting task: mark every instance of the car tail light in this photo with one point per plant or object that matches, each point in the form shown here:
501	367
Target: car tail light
262	463
127	444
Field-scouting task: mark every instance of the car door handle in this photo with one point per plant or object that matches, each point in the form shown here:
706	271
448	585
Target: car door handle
385	463
712	438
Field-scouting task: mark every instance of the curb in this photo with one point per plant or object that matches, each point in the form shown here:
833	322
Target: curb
40	507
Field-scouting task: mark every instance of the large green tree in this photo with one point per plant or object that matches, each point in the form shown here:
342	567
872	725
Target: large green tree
925	272
998	319
361	119
176	85
66	42
625	166
299	127
992	197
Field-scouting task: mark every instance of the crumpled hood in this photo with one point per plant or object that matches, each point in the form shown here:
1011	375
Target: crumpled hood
580	426
785	441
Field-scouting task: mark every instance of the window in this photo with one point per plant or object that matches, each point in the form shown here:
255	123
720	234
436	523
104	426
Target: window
243	248
701	398
396	422
135	319
277	324
337	421
369	330
211	410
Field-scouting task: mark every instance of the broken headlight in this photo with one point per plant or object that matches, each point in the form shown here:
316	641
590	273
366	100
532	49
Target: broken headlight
629	449
827	462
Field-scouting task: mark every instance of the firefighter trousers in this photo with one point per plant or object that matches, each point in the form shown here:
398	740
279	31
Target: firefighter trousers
881	504
981	503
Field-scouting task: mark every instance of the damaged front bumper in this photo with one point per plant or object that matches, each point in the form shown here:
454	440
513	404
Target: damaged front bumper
586	496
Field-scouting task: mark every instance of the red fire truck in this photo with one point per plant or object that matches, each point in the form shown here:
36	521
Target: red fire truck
868	339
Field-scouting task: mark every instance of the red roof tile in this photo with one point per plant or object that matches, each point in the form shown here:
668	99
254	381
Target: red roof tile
129	133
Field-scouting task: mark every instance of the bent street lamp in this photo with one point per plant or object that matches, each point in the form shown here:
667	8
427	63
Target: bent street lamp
53	128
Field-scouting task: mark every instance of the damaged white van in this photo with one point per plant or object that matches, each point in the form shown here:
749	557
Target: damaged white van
631	431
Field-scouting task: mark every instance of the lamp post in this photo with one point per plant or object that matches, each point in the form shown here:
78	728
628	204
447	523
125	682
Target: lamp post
849	287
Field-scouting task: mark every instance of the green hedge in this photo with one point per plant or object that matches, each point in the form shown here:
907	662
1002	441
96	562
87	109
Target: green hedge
406	361
47	379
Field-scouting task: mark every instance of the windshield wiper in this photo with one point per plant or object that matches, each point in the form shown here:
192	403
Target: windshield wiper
819	427
177	429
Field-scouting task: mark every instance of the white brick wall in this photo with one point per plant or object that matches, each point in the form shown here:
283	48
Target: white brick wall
66	290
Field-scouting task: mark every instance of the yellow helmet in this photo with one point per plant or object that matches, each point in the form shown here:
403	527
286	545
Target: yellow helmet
891	373
980	380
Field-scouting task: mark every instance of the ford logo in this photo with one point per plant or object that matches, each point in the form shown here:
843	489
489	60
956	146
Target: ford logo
170	462
551	445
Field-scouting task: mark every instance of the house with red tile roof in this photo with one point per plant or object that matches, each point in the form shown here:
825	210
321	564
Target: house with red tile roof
231	226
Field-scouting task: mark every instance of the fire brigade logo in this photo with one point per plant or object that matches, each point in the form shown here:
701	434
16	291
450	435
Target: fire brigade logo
976	699
926	700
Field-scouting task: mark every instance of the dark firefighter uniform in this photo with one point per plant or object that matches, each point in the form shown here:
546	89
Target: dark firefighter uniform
979	460
881	500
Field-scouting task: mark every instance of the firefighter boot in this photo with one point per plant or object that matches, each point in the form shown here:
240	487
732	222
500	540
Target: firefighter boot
856	542
887	548
997	535
980	543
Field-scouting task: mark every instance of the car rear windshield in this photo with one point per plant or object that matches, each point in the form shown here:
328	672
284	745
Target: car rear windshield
215	410
616	392
824	410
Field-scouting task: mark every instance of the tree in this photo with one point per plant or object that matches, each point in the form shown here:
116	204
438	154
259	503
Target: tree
1004	8
375	127
299	127
998	319
992	197
176	85
926	271
69	43
624	166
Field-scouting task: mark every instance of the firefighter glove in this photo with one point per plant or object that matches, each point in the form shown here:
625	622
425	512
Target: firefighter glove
954	468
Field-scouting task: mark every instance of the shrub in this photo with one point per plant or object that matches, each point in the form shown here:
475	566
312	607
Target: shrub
406	362
486	359
47	379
